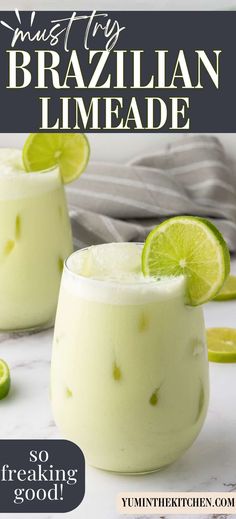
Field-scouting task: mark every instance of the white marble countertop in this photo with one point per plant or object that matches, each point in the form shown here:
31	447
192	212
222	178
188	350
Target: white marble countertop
209	465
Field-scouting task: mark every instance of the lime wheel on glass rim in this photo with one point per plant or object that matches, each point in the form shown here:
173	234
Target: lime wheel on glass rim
189	246
69	151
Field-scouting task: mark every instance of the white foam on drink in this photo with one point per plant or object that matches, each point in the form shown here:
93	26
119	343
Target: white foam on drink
111	273
15	182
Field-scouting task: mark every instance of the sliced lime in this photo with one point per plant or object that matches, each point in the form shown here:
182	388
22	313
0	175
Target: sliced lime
191	246
221	344
5	381
70	151
228	290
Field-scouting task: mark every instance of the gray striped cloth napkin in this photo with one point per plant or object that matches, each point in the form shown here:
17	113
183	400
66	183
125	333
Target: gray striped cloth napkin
113	202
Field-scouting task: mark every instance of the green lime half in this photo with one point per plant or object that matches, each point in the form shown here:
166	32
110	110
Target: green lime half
190	246
70	151
221	344
5	381
228	290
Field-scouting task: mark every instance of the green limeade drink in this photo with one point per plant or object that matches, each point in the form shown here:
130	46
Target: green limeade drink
35	238
129	365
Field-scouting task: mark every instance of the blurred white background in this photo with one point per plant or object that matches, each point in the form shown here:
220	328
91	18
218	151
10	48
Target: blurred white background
122	147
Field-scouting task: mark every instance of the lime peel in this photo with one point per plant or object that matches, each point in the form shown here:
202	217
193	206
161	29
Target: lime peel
228	291
5	380
221	344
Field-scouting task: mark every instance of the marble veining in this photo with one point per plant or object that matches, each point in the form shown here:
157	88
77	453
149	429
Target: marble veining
208	466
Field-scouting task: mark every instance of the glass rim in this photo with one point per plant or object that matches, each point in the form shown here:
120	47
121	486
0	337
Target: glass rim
111	282
21	170
52	169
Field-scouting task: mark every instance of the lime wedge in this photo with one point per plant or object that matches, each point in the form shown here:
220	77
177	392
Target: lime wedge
221	344
190	246
228	290
4	379
70	151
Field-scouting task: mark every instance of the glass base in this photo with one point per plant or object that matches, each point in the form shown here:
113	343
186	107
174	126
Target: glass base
131	473
30	330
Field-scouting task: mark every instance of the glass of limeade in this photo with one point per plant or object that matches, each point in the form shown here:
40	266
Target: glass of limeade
129	366
35	238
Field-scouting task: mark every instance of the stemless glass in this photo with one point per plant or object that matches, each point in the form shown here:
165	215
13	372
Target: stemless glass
129	370
35	238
